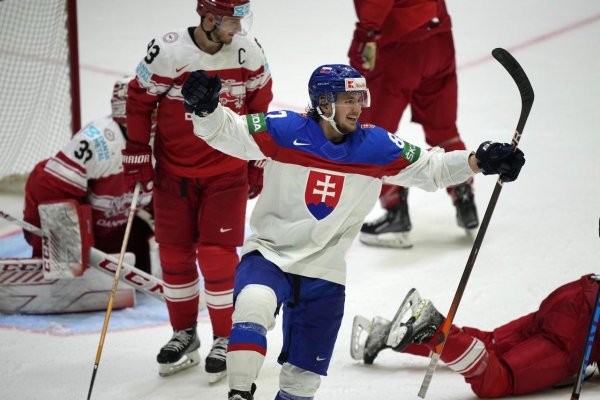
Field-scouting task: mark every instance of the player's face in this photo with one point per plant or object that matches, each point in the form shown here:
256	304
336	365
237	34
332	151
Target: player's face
227	27
348	107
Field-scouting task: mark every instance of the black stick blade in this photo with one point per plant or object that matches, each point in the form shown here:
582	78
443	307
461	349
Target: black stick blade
514	69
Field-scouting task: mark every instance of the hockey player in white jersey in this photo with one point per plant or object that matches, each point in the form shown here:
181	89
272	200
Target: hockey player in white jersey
323	175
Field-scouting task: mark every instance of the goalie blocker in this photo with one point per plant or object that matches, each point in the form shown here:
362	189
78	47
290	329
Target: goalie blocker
66	248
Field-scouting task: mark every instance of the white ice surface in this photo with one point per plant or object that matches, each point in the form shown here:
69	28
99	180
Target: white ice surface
544	231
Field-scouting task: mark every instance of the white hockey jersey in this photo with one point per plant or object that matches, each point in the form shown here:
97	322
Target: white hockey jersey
316	194
246	88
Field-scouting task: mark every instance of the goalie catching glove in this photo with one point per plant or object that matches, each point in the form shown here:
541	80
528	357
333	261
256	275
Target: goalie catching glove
201	93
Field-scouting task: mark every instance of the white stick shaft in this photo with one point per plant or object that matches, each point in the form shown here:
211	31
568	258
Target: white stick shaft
429	375
25	225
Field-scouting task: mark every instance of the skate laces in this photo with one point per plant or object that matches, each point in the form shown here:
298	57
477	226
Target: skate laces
219	348
424	327
179	340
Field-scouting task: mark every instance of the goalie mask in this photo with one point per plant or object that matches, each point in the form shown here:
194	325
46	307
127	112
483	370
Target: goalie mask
119	99
328	80
118	103
231	15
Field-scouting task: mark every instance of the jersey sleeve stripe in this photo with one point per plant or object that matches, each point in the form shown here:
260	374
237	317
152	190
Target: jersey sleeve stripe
66	173
70	163
58	170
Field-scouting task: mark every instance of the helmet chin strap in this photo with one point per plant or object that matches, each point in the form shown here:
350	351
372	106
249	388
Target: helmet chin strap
209	33
330	119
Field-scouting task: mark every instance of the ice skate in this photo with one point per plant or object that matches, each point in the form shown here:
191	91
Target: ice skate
390	230
240	395
421	324
216	366
181	352
368	338
466	211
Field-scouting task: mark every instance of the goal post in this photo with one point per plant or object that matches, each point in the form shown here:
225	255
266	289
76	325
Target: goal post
39	81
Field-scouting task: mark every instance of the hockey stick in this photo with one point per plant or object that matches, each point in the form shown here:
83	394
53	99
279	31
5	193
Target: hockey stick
136	193
98	259
23	224
587	346
526	91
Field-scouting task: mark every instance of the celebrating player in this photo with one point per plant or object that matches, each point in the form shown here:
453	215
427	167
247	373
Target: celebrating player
199	193
405	49
323	175
534	352
88	170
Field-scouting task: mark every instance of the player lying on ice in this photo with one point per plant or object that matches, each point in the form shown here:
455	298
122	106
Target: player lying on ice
534	352
323	175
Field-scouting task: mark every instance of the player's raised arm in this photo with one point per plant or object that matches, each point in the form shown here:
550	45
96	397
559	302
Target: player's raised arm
220	127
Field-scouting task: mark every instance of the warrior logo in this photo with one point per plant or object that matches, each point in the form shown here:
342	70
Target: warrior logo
323	191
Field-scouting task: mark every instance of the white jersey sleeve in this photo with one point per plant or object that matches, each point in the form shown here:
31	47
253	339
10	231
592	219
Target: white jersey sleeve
228	132
435	169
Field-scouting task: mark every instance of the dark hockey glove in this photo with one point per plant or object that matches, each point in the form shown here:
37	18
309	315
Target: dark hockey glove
137	165
255	177
363	49
499	158
201	93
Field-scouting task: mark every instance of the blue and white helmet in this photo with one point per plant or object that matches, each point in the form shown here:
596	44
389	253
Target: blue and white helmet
329	80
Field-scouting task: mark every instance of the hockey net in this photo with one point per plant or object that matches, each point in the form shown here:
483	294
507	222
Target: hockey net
39	77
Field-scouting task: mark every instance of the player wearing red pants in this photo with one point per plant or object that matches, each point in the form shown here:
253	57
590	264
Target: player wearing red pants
531	353
199	193
405	49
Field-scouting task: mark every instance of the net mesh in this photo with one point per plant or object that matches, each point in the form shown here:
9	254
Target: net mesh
35	95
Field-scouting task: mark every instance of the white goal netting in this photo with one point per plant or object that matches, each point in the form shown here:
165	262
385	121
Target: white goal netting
35	83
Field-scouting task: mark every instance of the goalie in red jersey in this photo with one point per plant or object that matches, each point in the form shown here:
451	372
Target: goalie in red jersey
88	170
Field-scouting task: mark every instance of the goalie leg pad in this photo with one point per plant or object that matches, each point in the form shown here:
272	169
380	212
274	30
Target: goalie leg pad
66	247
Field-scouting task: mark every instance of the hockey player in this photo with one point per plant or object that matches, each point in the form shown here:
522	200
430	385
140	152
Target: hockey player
199	193
88	170
534	352
323	175
405	49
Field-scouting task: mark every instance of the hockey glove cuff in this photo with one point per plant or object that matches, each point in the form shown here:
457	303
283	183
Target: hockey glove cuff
363	49
201	93
499	158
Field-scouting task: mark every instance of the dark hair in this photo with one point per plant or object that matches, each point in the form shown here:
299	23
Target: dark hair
313	113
